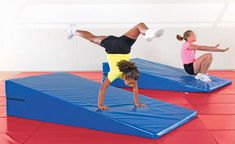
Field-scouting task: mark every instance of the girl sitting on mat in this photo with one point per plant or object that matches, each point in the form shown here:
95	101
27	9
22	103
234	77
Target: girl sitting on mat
118	55
199	66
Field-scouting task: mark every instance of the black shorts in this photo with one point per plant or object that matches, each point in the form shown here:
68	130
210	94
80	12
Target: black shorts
189	68
117	45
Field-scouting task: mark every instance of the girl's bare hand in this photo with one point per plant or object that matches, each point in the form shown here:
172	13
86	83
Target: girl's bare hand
102	107
224	50
140	105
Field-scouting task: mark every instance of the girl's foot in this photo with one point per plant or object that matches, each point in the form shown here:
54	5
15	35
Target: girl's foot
206	78
198	76
71	31
152	33
202	77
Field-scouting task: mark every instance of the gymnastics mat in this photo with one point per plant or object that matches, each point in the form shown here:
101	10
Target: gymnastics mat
163	77
71	100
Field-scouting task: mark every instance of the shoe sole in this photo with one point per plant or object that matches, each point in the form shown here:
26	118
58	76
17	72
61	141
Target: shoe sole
159	33
70	35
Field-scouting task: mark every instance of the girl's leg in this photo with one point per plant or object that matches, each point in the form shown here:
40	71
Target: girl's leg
134	32
202	63
203	68
209	61
89	36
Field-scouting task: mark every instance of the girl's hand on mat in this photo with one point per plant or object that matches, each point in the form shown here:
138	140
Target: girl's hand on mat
140	105
102	107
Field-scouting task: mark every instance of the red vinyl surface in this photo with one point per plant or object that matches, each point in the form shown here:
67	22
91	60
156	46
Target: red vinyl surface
215	123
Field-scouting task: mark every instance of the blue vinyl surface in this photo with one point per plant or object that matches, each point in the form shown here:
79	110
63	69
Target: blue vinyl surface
71	100
163	77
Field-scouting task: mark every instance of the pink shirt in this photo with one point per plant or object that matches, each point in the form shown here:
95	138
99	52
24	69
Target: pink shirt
187	55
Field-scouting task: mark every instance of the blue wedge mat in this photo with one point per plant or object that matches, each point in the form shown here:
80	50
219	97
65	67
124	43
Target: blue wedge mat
71	100
163	77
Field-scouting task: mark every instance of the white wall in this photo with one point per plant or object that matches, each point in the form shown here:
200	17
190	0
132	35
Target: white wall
36	39
40	49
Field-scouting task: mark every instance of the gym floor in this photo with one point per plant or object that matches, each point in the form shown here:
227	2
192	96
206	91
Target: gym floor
214	124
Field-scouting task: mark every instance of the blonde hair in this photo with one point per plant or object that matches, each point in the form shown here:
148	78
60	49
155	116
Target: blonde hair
185	36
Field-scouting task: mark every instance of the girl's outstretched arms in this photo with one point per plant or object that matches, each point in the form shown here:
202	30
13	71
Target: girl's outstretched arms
208	48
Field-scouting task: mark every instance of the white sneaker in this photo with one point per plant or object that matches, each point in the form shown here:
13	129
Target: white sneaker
152	33
202	77
198	76
71	31
206	78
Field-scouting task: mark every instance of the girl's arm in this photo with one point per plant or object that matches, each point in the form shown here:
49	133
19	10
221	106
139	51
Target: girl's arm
208	48
136	96
102	91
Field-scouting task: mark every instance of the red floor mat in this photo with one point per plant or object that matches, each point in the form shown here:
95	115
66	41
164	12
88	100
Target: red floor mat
17	130
86	138
14	138
13	124
218	109
218	122
224	137
2	100
189	137
2	111
195	124
211	98
52	133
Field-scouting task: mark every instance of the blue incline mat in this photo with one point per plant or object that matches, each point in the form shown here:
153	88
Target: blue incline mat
163	77
71	100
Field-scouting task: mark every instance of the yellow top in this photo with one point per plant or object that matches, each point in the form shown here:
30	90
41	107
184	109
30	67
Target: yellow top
113	59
